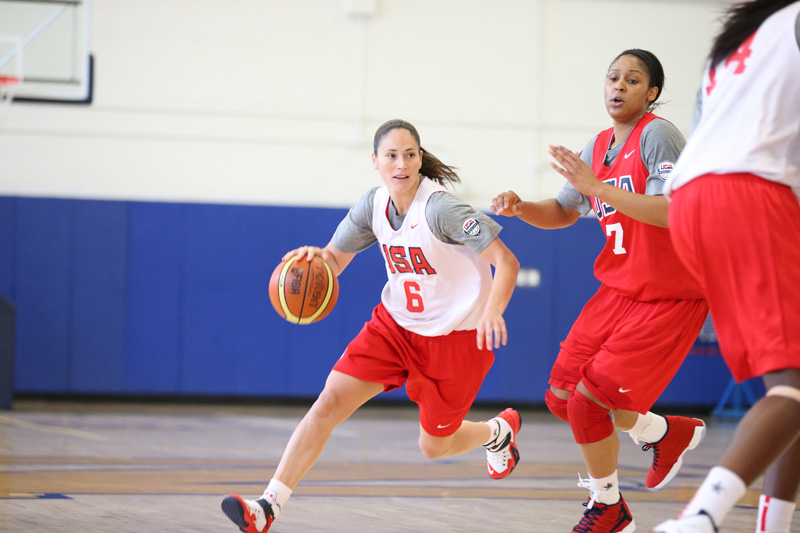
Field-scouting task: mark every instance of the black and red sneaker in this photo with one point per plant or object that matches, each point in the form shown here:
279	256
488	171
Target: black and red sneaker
602	518
252	516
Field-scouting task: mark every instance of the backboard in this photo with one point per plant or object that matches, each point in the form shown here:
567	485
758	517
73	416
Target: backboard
45	44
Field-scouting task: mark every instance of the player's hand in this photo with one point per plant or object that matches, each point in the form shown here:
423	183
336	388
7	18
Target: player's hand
506	204
308	253
491	330
572	167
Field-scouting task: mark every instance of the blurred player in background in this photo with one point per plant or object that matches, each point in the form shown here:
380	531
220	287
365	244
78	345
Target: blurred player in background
634	333
441	312
735	222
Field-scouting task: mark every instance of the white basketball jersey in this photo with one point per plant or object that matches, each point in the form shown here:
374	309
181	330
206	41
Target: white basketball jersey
750	111
434	288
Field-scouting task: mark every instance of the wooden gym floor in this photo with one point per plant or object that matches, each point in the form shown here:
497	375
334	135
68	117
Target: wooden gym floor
149	467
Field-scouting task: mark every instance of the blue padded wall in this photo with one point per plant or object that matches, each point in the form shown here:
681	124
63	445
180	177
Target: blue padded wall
154	342
138	298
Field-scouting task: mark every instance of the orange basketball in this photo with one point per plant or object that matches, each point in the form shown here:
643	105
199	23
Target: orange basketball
303	292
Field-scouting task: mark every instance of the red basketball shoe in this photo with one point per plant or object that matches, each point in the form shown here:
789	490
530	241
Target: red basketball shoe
683	434
502	455
602	518
252	516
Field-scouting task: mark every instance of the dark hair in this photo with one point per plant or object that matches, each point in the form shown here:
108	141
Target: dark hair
739	22
431	166
653	67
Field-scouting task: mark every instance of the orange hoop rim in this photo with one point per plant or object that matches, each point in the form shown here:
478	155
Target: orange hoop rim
9	81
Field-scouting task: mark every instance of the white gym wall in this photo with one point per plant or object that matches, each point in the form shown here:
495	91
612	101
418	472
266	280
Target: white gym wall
275	101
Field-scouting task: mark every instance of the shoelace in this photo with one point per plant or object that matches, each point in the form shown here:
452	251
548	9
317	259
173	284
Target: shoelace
590	516
656	454
587	484
499	460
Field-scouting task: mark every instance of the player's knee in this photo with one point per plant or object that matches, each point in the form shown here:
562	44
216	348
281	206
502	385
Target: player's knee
328	411
432	447
557	406
589	421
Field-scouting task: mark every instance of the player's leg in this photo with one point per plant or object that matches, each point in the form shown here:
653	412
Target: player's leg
339	399
767	432
778	498
750	320
342	395
371	364
498	435
444	387
590	420
584	340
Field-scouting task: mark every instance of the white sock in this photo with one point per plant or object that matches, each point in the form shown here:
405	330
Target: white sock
717	495
605	489
774	515
494	427
276	494
649	428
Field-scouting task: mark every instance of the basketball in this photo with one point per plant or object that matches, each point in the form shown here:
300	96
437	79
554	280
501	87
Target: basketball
303	292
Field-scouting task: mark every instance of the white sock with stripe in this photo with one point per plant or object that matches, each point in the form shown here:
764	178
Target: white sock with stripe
774	515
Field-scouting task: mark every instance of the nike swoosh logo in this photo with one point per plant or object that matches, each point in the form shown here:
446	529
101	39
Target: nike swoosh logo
623	391
442	426
629	154
412	227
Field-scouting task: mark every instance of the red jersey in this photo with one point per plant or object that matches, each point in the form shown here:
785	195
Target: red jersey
638	259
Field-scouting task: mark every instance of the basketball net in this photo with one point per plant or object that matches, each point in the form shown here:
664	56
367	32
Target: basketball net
8	84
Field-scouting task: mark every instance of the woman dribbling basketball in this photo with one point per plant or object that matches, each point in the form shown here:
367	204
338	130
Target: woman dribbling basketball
440	315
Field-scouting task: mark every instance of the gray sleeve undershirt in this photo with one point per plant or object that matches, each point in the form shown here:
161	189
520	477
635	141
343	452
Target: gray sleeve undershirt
445	214
661	144
354	233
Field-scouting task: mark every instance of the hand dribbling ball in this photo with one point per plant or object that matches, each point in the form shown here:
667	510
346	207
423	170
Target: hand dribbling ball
303	291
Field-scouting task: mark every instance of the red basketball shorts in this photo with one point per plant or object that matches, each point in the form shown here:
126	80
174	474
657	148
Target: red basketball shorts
740	236
627	351
442	374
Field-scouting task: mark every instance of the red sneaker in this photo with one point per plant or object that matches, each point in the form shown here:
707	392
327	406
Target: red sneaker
502	455
252	516
683	434
602	518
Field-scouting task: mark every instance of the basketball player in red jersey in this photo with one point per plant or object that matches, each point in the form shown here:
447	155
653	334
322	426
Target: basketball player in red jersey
634	333
735	222
440	315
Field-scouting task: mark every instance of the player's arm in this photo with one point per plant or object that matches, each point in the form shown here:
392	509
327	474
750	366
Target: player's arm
545	214
354	234
649	209
492	325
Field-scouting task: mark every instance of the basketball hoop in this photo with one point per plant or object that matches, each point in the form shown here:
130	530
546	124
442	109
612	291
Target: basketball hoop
8	85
